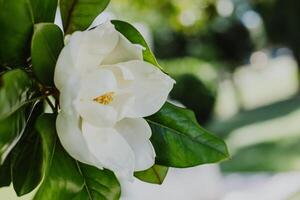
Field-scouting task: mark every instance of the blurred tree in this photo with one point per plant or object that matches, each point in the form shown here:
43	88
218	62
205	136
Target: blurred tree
187	16
234	43
190	28
281	19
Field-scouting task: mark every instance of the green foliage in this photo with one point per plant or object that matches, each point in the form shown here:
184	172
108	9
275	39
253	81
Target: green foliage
17	89
62	180
180	142
65	177
47	42
27	164
79	14
16	21
5	176
26	157
12	128
156	174
43	10
19	157
280	19
98	184
188	16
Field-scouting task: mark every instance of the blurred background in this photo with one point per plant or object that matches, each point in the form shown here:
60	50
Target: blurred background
236	63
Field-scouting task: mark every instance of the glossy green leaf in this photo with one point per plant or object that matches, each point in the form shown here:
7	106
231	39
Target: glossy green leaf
16	156
62	180
179	141
26	158
16	90
79	14
65	177
47	42
156	174
16	21
5	175
11	130
98	184
134	36
26	166
43	10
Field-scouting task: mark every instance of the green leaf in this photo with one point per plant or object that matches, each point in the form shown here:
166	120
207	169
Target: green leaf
65	177
134	36
26	158
179	141
5	175
47	42
16	90
26	166
61	180
43	10
79	14
156	174
11	130
98	184
16	21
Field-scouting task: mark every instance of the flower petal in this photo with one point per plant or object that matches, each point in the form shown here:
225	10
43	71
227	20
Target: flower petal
65	65
94	46
85	50
137	133
110	149
123	103
97	114
93	85
72	139
96	83
150	87
123	52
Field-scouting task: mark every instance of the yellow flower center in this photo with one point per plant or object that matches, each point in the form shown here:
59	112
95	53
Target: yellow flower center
105	99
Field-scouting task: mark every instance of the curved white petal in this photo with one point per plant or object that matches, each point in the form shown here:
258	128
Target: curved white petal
68	126
85	50
72	140
102	39
68	93
65	65
122	103
96	83
95	45
97	114
93	85
150	87
137	133
110	149
123	52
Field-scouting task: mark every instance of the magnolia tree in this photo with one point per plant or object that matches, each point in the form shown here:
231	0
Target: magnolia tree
110	120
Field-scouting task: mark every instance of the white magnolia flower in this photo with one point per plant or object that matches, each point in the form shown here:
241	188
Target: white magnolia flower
106	88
